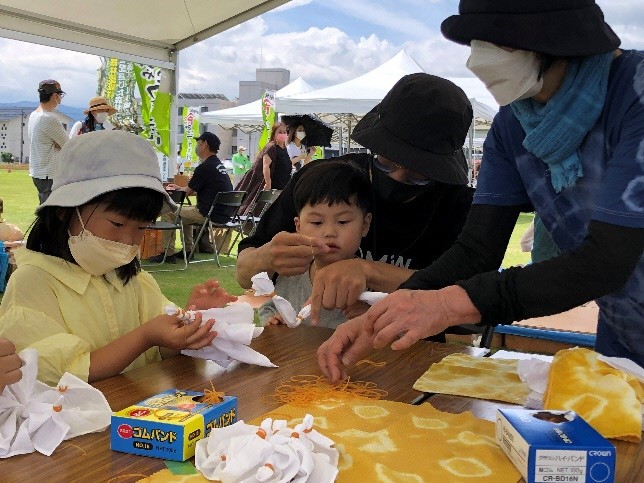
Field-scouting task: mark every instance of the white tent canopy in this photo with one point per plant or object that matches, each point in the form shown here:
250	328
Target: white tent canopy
356	96
250	114
144	31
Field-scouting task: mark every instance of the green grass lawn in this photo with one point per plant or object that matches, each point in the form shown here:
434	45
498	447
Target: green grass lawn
20	201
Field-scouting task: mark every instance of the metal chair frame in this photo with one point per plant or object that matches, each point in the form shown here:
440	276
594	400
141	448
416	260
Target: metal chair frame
179	197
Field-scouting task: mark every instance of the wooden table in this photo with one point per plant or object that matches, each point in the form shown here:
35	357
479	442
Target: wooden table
630	456
89	458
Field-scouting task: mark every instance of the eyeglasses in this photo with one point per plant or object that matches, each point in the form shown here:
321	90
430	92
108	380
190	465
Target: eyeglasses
387	166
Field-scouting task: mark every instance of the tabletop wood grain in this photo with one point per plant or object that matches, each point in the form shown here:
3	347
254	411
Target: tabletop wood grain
89	458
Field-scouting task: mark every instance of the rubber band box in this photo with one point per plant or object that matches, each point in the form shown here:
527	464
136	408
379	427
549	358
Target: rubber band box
554	446
168	425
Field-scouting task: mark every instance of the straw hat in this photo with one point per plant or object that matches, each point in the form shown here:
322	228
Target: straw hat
99	103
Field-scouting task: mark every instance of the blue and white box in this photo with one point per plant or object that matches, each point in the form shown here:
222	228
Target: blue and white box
554	446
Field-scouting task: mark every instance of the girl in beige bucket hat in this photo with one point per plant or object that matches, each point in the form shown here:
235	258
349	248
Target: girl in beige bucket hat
98	110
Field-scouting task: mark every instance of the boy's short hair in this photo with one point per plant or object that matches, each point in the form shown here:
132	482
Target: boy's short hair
332	182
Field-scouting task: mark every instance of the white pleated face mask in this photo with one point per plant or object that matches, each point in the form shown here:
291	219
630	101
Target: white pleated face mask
300	134
509	76
101	117
99	256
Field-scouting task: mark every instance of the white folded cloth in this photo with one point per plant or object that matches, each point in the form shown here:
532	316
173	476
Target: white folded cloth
271	452
36	417
263	285
235	331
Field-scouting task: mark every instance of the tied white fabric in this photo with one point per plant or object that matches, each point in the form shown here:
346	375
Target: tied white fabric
36	417
271	452
235	331
263	285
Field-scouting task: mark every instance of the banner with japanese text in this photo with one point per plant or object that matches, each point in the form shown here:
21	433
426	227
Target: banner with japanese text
156	103
190	131
116	82
268	118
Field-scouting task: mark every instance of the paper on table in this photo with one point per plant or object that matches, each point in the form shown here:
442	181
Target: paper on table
235	331
36	417
269	452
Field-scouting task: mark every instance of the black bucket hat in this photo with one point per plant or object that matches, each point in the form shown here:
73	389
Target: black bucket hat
562	28
420	124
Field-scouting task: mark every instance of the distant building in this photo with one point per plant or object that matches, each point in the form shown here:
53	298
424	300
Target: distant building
14	137
269	79
208	102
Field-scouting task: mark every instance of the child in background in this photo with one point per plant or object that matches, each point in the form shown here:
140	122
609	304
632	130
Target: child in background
10	364
78	295
332	201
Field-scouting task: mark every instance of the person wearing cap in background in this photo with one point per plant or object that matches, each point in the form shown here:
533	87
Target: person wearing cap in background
97	113
567	144
47	135
241	164
419	189
208	179
79	296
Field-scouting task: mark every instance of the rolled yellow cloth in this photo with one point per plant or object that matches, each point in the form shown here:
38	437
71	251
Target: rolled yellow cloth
607	398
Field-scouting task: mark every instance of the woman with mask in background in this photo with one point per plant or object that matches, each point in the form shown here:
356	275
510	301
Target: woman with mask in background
271	169
420	197
567	144
299	153
97	113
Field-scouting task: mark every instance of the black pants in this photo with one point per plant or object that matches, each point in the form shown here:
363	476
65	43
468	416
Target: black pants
44	188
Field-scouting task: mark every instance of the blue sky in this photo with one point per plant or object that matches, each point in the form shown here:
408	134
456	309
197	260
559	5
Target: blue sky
323	41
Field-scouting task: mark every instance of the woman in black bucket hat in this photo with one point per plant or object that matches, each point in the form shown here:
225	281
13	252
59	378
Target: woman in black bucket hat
420	193
568	143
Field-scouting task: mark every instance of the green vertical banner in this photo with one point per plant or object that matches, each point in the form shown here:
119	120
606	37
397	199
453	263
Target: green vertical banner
268	118
155	107
116	82
190	130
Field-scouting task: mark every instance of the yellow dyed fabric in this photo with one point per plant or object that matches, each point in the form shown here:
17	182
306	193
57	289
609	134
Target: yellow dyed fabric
607	398
384	441
483	378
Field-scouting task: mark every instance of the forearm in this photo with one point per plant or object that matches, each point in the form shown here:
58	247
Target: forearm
250	262
266	171
479	248
599	267
384	277
112	358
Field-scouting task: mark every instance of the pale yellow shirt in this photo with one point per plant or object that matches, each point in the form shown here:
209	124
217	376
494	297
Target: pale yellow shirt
65	313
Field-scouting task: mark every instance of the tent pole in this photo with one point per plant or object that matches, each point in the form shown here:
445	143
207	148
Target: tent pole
174	116
470	157
349	137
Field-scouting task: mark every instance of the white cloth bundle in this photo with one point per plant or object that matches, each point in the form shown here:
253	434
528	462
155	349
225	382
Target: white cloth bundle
263	285
271	452
36	417
235	330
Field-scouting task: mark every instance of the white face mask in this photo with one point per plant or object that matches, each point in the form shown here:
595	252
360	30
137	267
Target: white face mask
99	256
509	76
300	135
101	117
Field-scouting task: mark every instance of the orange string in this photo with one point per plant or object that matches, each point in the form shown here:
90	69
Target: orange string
212	396
75	446
129	475
303	390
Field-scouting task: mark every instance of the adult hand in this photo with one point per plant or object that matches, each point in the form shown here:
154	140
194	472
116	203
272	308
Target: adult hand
349	343
405	316
10	364
291	253
172	186
274	320
355	310
337	286
168	331
209	295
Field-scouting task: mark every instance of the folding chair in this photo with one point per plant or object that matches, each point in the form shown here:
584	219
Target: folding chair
179	197
263	203
231	199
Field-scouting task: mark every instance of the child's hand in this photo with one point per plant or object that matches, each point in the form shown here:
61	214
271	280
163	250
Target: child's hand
209	295
10	364
274	320
168	331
